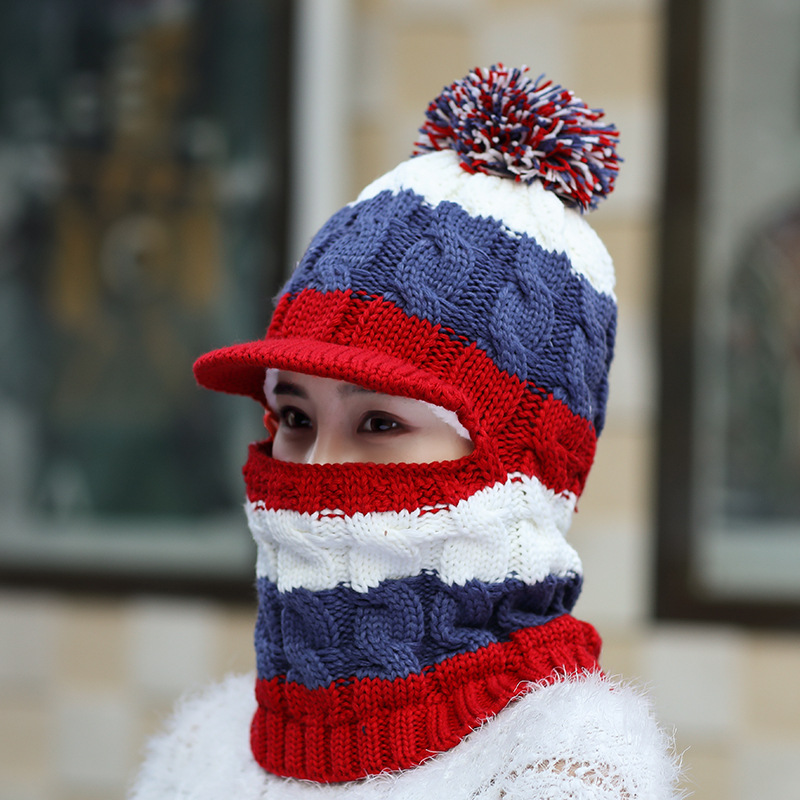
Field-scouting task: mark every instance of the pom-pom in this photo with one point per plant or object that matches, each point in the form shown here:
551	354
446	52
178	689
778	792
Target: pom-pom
502	123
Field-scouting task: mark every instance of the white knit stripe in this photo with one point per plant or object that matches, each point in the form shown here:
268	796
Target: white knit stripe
518	207
511	529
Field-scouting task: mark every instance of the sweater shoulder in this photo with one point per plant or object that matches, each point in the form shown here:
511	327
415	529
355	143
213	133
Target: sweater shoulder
204	751
587	737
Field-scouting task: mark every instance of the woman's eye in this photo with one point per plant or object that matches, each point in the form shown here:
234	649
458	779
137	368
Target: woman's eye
292	417
377	423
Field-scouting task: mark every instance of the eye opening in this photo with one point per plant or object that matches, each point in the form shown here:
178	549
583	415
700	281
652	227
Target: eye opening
294	418
380	422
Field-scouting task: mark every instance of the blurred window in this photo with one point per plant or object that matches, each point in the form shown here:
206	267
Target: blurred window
729	457
142	194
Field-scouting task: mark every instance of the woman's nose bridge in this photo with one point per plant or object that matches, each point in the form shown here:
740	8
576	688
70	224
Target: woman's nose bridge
330	447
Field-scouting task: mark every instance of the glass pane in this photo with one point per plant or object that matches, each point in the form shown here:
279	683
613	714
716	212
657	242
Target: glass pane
748	371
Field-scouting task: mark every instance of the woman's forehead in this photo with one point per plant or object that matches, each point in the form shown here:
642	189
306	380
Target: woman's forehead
279	381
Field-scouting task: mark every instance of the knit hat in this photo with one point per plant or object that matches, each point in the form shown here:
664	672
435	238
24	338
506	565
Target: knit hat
401	605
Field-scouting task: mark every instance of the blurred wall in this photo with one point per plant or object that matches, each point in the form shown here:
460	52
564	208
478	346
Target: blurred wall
84	681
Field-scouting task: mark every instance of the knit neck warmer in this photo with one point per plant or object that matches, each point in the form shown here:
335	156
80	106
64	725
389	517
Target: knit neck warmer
400	607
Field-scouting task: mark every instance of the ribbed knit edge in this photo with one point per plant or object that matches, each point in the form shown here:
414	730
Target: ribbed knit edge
358	728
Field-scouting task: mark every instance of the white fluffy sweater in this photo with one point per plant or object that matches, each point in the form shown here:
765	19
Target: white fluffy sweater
589	738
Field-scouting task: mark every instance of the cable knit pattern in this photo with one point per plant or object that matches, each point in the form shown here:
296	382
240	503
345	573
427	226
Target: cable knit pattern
519	208
397	628
518	302
513	529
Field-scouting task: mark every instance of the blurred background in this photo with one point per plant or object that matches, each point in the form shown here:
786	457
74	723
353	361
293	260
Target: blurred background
162	165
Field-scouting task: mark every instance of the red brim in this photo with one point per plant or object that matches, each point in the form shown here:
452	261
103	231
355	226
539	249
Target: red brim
241	369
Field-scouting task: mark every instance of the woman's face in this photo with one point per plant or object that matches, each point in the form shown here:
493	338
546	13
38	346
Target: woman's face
326	421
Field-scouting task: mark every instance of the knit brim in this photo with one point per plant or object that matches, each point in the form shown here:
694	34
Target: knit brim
241	369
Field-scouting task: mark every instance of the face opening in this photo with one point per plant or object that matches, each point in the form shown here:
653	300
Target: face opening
317	420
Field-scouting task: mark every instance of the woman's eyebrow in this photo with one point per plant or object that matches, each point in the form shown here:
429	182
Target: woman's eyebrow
296	390
285	387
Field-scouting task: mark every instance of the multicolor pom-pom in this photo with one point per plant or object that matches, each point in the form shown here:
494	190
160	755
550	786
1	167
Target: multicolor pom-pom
500	122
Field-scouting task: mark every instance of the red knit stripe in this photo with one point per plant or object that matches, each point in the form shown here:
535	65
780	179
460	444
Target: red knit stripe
357	487
350	730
